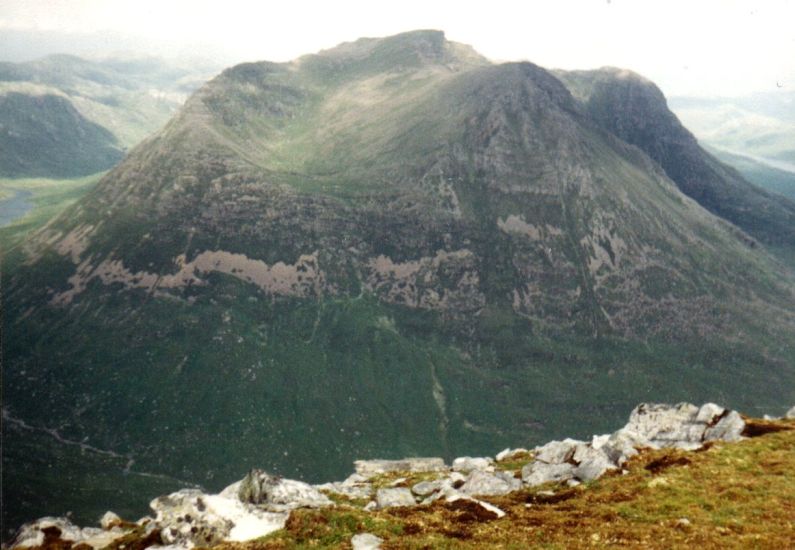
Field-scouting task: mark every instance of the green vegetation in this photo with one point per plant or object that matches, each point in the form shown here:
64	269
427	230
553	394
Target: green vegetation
304	388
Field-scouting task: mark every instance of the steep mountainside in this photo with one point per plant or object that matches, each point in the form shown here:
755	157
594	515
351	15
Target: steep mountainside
635	110
390	248
63	116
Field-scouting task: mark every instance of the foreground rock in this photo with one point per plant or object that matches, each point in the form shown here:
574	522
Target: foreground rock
49	531
261	503
276	493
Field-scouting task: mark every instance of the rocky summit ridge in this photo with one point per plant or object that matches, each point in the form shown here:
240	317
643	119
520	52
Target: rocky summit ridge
261	503
391	248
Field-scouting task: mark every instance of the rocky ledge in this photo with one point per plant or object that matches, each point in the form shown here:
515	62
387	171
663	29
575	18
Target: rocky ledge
261	503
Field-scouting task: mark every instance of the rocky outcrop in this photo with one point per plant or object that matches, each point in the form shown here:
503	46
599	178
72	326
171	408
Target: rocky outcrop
275	493
192	518
261	503
46	530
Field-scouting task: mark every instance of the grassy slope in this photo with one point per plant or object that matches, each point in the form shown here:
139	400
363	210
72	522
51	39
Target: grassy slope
736	495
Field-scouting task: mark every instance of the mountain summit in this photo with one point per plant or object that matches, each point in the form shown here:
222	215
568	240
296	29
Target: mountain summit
390	248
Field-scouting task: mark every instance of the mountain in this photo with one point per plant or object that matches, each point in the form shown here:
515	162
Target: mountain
635	110
391	248
63	116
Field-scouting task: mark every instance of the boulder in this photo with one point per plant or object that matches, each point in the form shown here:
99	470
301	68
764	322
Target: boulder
487	484
278	494
667	426
52	532
591	462
369	468
708	412
468	464
593	467
623	445
366	541
508	454
683	426
729	428
184	516
109	520
392	497
425	488
537	473
190	517
357	491
790	413
509	478
557	452
456	477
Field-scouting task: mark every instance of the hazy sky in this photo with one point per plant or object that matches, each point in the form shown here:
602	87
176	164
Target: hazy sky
698	47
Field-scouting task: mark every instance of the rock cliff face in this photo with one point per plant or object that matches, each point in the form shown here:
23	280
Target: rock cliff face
393	247
260	503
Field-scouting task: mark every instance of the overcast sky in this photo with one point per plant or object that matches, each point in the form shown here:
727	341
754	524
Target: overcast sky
694	47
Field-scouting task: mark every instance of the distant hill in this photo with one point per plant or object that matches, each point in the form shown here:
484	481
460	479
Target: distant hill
761	124
63	116
44	135
760	172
